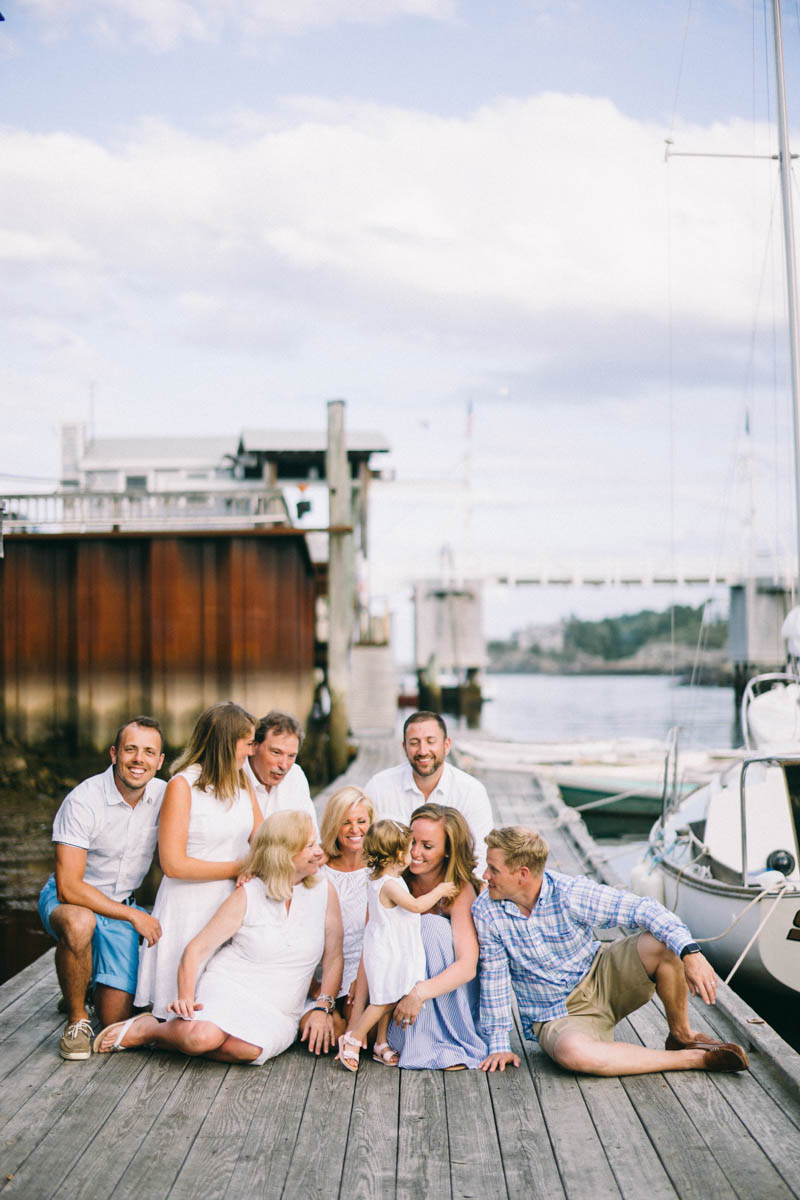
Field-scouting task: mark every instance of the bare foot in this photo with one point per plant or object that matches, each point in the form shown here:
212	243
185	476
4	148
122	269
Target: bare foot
125	1035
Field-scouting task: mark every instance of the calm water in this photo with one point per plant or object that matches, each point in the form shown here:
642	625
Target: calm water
552	707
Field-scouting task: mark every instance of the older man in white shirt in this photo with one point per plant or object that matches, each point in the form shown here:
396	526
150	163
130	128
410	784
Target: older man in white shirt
397	791
278	781
105	833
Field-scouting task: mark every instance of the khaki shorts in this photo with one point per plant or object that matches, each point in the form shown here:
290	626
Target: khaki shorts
617	984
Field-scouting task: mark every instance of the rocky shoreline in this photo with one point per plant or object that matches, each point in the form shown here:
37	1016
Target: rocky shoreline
709	667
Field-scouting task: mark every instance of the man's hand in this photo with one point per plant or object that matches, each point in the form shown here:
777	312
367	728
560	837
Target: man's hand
318	1032
499	1061
145	925
701	977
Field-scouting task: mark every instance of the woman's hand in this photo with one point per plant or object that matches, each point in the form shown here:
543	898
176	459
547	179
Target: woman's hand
318	1032
184	1008
408	1008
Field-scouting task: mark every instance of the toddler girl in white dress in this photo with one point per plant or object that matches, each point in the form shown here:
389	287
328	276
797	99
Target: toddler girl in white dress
393	954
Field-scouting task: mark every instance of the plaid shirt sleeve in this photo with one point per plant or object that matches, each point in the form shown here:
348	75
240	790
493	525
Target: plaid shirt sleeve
594	904
495	982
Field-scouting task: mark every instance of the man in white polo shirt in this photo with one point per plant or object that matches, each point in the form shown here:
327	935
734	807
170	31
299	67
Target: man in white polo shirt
397	791
279	782
105	833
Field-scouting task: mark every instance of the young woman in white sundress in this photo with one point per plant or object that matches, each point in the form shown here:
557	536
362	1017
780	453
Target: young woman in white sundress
208	816
393	954
347	817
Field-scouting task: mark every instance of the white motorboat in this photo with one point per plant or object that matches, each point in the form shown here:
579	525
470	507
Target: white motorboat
726	859
624	776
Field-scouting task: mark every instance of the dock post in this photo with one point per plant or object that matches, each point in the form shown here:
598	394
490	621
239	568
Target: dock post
340	584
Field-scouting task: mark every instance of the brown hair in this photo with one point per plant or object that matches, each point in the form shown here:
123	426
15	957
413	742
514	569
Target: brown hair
417	717
521	847
459	844
281	722
385	842
144	722
336	810
213	746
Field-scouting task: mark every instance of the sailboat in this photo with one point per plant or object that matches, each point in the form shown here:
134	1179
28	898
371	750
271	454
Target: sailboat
727	857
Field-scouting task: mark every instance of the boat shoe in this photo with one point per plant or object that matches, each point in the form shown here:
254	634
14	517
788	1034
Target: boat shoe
700	1041
719	1056
76	1041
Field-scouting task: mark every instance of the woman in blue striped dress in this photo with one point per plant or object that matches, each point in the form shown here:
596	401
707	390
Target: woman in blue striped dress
436	1023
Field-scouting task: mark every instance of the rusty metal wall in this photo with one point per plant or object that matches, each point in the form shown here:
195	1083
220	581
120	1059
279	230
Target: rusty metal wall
96	628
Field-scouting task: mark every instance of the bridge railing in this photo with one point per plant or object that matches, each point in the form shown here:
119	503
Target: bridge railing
70	511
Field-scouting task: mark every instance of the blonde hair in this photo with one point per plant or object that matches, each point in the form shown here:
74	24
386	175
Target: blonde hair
336	810
385	842
213	746
521	847
275	843
460	859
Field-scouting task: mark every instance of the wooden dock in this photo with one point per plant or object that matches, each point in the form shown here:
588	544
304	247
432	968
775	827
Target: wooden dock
148	1125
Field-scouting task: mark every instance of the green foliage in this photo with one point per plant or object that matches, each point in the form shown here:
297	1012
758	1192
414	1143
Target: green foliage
620	637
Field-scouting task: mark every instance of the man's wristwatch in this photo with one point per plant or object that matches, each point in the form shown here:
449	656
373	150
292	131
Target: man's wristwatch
690	948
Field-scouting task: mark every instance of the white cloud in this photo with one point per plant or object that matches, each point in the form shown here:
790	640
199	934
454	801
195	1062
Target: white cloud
163	24
527	210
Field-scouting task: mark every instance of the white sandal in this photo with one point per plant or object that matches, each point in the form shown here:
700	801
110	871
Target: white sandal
382	1052
122	1027
349	1048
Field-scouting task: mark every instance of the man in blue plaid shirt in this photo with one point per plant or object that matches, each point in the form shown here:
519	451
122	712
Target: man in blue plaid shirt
535	929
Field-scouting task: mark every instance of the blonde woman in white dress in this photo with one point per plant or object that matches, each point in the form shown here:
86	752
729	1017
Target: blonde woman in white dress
393	954
347	817
243	980
208	817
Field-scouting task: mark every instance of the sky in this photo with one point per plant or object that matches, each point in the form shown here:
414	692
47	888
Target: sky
458	217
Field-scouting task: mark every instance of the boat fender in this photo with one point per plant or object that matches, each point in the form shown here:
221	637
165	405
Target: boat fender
647	879
766	880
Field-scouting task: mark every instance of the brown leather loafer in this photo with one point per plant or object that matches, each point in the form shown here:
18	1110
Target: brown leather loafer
701	1042
727	1056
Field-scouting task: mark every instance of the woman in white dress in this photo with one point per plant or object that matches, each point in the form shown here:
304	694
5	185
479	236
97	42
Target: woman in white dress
347	817
208	816
247	1004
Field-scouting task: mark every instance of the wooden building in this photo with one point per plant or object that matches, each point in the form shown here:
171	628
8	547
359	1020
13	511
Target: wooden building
99	626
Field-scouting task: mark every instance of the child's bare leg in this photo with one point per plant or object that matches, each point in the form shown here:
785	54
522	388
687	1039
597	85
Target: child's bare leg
382	1051
383	1027
372	1015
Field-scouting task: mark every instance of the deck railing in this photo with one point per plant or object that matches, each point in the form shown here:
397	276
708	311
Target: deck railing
70	511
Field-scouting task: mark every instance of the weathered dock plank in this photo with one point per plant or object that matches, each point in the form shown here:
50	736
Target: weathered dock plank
370	1164
423	1148
266	1153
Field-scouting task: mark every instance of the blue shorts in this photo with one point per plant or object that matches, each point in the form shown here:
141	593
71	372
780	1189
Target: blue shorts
115	944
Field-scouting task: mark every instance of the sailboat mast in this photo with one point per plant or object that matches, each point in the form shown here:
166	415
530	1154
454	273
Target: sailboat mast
785	159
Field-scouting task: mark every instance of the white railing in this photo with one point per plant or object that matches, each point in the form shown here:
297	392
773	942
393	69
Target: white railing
89	512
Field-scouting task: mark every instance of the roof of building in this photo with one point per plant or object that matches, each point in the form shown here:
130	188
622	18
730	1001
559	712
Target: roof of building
304	441
189	451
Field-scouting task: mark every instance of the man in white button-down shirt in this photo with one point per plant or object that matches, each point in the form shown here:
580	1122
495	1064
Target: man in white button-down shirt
278	781
105	833
426	776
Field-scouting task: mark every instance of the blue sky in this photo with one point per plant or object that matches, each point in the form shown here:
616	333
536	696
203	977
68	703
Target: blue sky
218	215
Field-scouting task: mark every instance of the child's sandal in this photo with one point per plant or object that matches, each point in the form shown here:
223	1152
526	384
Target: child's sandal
382	1052
349	1048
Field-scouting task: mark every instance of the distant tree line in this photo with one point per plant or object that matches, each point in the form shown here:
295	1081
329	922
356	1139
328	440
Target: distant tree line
620	637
